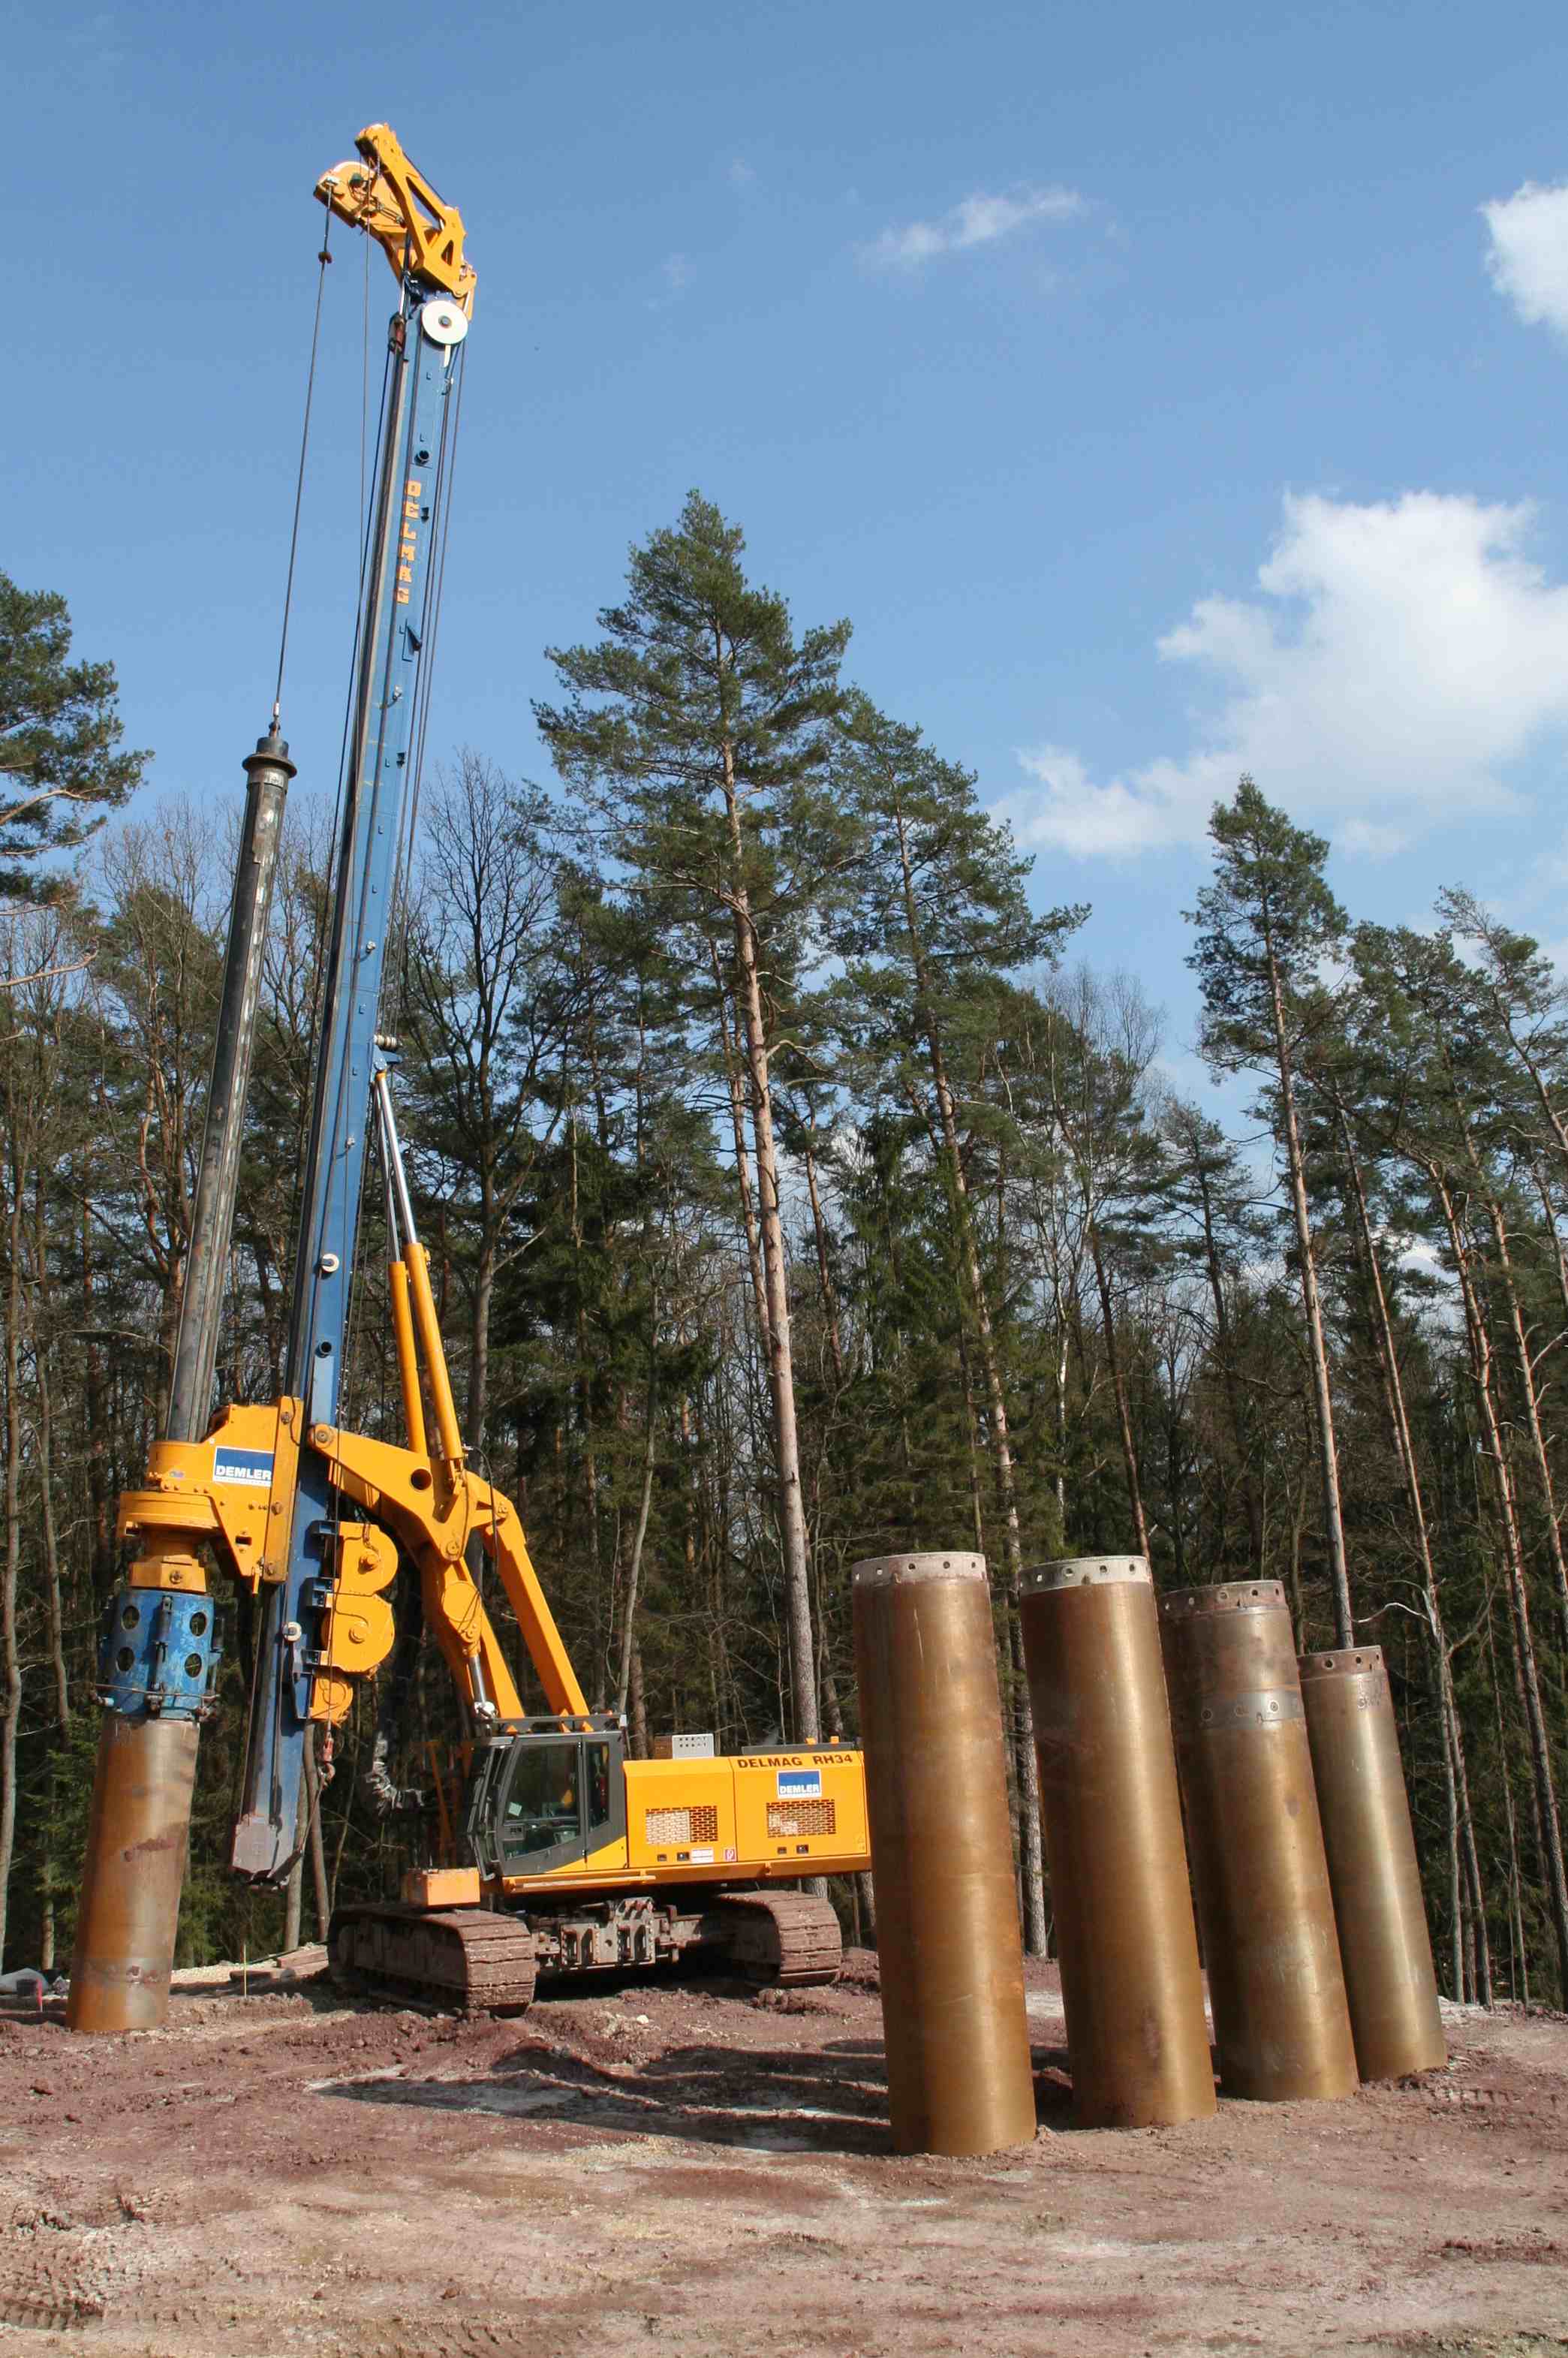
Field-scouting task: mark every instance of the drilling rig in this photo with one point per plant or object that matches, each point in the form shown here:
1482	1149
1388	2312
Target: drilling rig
569	1857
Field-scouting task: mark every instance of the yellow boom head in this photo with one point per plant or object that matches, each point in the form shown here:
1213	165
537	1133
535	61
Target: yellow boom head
385	196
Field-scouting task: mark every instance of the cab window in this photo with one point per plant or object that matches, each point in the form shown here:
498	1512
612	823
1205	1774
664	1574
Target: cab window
543	1802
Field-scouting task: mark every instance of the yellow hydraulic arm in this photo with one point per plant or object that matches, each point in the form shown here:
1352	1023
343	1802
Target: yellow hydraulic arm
421	1497
391	200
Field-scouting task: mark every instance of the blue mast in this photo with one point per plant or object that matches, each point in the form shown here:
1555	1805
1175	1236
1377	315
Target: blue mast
425	346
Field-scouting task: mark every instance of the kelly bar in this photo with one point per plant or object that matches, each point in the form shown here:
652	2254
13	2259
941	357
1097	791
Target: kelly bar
1383	1938
956	2031
1265	1909
1131	1987
158	1653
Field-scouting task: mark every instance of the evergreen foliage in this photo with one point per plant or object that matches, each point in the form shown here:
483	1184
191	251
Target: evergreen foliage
1032	1302
60	772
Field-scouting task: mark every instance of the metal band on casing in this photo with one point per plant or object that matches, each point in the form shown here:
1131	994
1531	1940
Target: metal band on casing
1085	1571
1229	1596
1254	1707
1345	1662
890	1571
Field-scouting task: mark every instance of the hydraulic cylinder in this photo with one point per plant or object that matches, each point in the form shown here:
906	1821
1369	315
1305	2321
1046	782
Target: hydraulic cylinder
1111	1815
956	2026
1384	1942
1265	1912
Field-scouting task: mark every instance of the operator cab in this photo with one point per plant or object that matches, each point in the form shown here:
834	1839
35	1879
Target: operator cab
547	1794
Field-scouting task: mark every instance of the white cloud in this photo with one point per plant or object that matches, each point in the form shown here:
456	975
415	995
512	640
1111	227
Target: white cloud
1529	257
1372	838
978	221
741	174
1401	656
676	272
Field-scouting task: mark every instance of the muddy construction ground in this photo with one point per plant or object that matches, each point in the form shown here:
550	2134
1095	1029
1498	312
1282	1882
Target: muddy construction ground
705	2173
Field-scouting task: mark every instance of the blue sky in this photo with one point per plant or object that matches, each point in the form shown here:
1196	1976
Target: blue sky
1147	386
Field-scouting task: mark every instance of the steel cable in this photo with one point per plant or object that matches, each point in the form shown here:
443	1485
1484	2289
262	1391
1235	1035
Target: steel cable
323	258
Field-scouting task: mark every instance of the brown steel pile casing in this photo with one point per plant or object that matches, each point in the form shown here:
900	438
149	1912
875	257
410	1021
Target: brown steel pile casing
138	1831
1383	1939
956	2031
1265	1909
1132	1987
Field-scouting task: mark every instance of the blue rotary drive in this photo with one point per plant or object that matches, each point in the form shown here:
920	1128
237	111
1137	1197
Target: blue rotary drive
159	1654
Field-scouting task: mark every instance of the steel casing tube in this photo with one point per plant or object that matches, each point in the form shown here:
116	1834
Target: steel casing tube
957	2031
1282	2026
137	1835
1384	1942
1131	1987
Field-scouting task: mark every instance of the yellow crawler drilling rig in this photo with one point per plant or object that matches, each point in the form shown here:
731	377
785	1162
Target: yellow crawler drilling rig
574	1857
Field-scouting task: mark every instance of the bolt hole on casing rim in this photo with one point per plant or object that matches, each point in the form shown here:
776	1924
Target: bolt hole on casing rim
1265	1909
955	2027
1385	1944
1111	1820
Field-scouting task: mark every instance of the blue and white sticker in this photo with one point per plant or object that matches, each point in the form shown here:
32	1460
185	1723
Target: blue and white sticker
247	1469
800	1784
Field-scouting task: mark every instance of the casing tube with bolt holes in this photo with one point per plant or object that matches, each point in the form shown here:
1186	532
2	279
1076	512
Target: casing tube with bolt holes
1384	1942
1132	1987
138	1830
956	2031
1265	1909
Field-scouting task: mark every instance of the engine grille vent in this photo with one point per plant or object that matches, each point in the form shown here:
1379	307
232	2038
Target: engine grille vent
695	1825
801	1817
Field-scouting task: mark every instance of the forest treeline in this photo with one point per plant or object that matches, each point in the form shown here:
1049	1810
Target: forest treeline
795	1196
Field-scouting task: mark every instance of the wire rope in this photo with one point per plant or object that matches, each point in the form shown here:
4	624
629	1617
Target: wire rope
324	259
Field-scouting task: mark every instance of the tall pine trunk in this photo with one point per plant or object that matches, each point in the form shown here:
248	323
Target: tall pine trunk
769	1225
1463	1854
1035	1929
1119	1390
1312	1301
1542	1779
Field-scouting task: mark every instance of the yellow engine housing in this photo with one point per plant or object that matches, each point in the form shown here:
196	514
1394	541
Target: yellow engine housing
744	1818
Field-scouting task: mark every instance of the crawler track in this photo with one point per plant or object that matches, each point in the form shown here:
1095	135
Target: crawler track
473	1961
783	1937
469	1960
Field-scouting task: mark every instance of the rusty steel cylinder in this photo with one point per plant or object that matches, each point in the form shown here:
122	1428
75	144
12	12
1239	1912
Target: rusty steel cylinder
1132	1987
138	1831
1265	1909
1384	1943
955	2027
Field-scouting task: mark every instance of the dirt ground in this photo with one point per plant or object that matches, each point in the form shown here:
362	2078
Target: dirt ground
705	2173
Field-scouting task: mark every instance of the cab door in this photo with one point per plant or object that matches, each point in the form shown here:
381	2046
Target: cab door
538	1823
545	1802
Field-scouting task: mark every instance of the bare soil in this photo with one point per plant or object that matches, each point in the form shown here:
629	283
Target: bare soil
701	2172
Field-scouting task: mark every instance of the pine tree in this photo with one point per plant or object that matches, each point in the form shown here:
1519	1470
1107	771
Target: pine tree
60	772
696	731
1266	924
938	920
